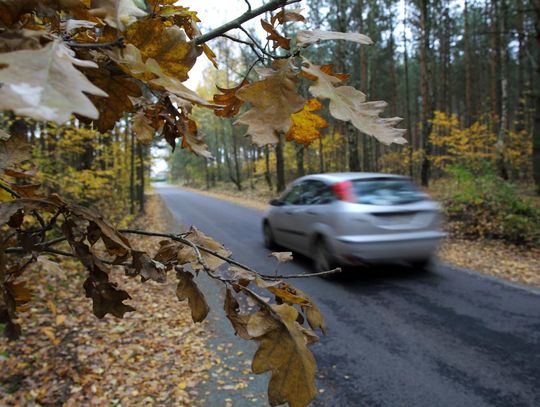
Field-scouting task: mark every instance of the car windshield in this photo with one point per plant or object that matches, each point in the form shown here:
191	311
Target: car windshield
386	191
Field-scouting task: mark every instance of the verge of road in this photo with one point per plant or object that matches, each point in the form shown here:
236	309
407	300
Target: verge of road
498	260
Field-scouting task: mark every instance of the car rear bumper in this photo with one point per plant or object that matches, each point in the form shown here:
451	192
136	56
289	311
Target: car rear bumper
351	250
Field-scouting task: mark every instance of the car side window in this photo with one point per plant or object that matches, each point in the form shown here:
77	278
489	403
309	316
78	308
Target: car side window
317	193
294	196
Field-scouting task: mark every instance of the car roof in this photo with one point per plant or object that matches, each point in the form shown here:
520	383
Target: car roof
332	177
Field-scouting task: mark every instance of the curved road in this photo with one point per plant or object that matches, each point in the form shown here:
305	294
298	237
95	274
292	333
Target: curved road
397	338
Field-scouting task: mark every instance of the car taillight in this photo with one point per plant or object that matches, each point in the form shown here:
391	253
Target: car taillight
344	191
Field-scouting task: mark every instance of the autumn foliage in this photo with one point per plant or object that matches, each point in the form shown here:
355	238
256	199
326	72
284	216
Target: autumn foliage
95	63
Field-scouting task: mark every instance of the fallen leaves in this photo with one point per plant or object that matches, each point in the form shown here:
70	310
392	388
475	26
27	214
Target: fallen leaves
45	85
67	357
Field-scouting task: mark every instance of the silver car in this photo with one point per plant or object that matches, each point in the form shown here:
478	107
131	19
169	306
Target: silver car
355	218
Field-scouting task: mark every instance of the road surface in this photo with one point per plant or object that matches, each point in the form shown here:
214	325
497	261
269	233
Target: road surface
397	337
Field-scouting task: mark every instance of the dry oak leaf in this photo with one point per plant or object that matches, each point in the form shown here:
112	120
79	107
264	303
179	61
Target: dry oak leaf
283	351
327	69
106	298
285	16
188	290
142	128
115	243
15	40
167	45
120	89
44	84
148	268
232	311
282	257
306	37
11	10
187	254
117	13
173	85
349	104
305	124
228	104
14	151
10	208
273	100
279	40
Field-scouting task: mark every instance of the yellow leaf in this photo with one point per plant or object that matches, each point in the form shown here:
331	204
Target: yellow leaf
273	100
305	124
49	332
167	45
60	319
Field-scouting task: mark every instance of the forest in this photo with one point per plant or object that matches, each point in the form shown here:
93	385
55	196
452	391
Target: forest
92	91
462	74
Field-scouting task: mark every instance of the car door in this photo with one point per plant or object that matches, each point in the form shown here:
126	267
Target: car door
282	220
316	197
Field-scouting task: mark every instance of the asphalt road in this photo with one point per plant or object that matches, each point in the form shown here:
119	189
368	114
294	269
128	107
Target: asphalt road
397	337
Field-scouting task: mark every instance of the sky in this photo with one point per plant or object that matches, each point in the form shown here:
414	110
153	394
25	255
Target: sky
212	14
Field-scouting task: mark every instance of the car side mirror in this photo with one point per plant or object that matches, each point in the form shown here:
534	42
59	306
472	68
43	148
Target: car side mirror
276	202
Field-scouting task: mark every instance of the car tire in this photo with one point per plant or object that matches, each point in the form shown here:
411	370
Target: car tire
268	236
321	256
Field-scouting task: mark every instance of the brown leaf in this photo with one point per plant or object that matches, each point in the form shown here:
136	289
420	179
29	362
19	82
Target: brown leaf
116	244
188	290
119	89
14	40
314	317
288	295
142	128
14	151
106	298
168	251
279	40
10	208
228	103
285	16
273	101
148	269
283	351
232	311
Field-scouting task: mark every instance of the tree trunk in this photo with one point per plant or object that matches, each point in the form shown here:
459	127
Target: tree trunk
468	74
280	164
267	172
425	78
407	95
536	134
300	169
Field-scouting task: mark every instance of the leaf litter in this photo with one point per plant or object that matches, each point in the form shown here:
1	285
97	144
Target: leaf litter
66	356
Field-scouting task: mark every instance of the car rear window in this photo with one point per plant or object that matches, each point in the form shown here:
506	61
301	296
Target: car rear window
386	191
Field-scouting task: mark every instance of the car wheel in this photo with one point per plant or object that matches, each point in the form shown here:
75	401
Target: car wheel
322	258
268	235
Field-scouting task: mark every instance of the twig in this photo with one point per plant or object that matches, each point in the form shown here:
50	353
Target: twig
237	22
119	43
8	189
224	258
248	5
253	47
